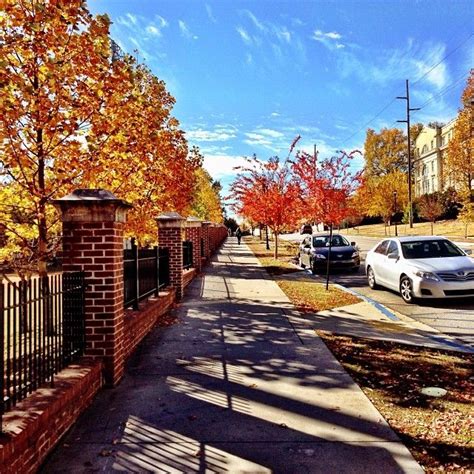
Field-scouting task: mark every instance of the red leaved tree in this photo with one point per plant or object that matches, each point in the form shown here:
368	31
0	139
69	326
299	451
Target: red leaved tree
266	192
326	188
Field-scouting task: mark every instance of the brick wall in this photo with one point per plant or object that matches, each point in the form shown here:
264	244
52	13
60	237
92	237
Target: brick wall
138	323
36	424
194	234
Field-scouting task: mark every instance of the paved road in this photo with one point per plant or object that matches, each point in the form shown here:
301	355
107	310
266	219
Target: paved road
241	383
453	317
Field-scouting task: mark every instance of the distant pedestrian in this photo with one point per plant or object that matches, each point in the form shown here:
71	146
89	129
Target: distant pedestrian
229	231
238	234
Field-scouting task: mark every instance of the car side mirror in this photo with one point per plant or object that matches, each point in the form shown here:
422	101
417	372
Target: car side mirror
393	256
468	251
353	244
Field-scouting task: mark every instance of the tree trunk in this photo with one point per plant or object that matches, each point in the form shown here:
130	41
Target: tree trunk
432	228
275	251
329	257
266	238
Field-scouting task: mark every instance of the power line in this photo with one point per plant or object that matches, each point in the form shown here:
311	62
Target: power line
444	91
418	80
443	59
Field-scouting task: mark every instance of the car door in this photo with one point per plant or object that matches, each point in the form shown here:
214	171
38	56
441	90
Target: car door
378	261
391	268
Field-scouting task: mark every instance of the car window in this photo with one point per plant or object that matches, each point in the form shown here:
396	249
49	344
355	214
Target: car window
430	249
392	247
382	247
323	241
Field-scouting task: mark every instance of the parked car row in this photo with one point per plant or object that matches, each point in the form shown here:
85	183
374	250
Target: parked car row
416	267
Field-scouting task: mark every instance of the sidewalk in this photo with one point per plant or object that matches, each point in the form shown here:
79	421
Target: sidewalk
239	384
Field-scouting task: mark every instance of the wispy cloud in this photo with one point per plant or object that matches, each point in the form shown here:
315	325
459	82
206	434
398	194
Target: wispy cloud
258	24
413	60
220	133
185	31
210	14
329	39
244	35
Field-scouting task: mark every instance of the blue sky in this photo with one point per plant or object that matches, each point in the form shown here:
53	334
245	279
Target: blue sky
249	76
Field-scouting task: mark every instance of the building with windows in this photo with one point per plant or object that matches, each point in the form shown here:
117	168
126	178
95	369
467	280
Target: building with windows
429	164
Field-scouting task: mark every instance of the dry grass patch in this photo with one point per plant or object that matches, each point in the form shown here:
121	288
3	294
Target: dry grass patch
438	432
305	293
449	228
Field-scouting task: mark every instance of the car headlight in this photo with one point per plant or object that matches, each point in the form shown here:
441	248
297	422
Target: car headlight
426	275
355	254
319	256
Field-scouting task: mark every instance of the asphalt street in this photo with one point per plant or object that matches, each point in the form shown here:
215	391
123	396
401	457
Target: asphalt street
454	317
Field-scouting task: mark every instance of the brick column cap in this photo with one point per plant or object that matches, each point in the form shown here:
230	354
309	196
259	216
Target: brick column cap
170	219
207	223
91	205
193	222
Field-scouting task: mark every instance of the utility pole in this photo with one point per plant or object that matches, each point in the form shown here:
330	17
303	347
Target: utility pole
407	121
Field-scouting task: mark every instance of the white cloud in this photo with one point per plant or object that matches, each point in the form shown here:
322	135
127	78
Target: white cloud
328	39
283	34
162	23
222	166
244	35
219	134
132	18
210	13
414	60
259	25
153	30
271	133
185	31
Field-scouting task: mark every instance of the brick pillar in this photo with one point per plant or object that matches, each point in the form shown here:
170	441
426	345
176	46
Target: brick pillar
194	233
205	236
171	235
93	223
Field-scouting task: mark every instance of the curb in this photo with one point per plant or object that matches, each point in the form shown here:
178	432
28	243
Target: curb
447	340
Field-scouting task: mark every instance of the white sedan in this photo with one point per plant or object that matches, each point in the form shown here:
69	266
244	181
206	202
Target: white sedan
421	267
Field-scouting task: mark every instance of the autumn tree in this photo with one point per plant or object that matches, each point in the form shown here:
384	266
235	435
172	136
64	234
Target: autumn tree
55	59
207	203
376	195
385	152
76	113
431	207
266	192
326	189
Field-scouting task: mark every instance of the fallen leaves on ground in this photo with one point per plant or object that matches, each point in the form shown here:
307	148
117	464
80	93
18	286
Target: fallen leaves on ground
438	432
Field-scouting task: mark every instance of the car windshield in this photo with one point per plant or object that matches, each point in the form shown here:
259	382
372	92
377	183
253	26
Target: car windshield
430	249
323	241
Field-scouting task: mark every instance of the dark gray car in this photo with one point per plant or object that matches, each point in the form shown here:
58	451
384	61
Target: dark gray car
314	252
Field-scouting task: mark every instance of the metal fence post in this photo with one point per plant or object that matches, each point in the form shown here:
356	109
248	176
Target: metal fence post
157	266
136	279
2	355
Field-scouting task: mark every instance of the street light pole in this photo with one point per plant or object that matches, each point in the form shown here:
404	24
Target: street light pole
407	121
395	211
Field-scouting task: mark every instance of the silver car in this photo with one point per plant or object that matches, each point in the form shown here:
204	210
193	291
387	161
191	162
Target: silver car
421	267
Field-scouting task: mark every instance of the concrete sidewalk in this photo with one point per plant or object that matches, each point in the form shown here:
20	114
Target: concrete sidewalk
239	384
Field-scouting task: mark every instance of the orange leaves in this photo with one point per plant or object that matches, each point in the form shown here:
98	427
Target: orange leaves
77	113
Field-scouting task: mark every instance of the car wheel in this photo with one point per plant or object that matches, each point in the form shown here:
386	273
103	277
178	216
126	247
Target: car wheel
300	262
406	290
371	279
314	270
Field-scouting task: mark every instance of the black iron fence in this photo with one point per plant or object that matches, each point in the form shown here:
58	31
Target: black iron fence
187	254
41	332
145	272
202	247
